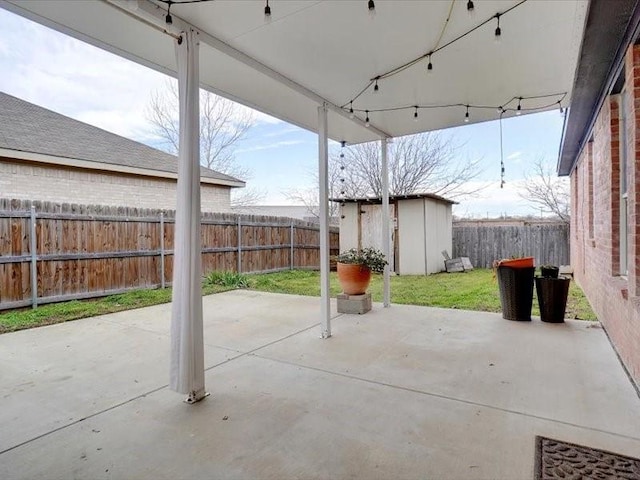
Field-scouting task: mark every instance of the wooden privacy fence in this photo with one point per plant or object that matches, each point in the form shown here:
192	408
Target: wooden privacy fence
547	242
55	252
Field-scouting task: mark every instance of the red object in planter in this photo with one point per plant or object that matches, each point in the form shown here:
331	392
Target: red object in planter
354	279
524	262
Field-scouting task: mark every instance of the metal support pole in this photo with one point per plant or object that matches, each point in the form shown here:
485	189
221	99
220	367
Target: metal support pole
323	176
34	257
162	282
292	253
187	342
239	245
386	234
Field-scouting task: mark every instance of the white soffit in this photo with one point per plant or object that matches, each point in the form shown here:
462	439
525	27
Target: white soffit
333	48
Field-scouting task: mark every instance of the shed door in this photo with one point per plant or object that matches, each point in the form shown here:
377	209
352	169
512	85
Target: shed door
371	229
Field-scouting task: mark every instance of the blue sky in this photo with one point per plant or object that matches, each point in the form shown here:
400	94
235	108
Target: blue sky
57	72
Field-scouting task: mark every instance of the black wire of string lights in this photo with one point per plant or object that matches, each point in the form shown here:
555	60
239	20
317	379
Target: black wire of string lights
375	81
468	107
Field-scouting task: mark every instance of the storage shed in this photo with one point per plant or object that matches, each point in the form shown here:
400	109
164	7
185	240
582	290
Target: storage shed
421	230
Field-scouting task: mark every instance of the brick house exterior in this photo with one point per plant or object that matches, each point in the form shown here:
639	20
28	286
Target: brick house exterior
49	157
601	153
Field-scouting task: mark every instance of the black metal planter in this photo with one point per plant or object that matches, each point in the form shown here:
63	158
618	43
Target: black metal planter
552	298
516	292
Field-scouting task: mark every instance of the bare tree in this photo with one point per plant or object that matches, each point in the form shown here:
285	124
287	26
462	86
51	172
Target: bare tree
544	190
423	163
223	124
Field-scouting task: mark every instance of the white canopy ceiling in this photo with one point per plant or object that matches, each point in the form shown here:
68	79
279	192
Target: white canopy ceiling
314	51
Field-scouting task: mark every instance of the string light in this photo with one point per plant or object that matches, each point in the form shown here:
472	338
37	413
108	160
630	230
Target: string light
372	8
498	31
375	87
366	120
168	18
470	6
561	108
267	11
351	114
507	107
438	48
501	156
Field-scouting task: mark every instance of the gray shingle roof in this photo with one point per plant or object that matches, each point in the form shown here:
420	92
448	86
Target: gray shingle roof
29	128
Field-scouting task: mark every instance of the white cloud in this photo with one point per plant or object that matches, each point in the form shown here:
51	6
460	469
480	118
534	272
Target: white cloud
514	156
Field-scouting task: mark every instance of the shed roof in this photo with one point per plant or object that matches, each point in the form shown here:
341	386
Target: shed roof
25	127
395	198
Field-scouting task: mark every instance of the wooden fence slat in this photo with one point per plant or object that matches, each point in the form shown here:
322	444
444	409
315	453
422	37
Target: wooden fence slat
548	243
85	251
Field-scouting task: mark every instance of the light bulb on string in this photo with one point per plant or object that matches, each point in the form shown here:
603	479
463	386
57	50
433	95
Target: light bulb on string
415	114
168	19
498	30
351	114
519	109
429	65
375	87
371	5
500	110
470	7
466	115
267	12
561	107
366	120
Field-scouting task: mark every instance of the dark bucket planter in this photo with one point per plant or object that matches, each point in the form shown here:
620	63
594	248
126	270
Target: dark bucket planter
552	298
549	272
516	292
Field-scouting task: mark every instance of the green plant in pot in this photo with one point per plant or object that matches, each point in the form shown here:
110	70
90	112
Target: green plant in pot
549	271
355	266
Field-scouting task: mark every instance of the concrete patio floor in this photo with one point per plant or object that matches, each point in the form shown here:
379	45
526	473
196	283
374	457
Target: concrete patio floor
405	392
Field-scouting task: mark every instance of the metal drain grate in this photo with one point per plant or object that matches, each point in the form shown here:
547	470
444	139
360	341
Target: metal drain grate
556	459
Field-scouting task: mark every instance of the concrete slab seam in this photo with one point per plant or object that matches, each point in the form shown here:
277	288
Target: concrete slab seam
142	395
445	397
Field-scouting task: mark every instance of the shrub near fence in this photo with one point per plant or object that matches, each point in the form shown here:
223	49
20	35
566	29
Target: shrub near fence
54	252
483	243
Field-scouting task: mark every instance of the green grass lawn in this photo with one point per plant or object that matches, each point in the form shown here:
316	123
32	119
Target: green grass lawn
63	312
475	290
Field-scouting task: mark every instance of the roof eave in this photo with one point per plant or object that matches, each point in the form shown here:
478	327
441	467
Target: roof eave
106	167
607	35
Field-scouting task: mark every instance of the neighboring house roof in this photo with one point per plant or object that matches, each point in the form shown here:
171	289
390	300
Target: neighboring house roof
609	30
54	138
393	198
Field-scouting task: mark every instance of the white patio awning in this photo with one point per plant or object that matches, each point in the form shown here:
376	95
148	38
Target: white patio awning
312	51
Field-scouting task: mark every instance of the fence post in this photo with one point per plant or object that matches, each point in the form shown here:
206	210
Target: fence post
34	266
239	245
162	283
291	238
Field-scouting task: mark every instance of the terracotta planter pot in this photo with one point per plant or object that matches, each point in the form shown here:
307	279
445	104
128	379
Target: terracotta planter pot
524	262
354	279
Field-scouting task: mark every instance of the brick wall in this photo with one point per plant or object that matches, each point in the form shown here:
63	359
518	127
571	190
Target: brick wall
33	181
596	218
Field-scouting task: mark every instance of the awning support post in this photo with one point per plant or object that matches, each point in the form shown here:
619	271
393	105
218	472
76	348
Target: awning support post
323	176
386	234
187	343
